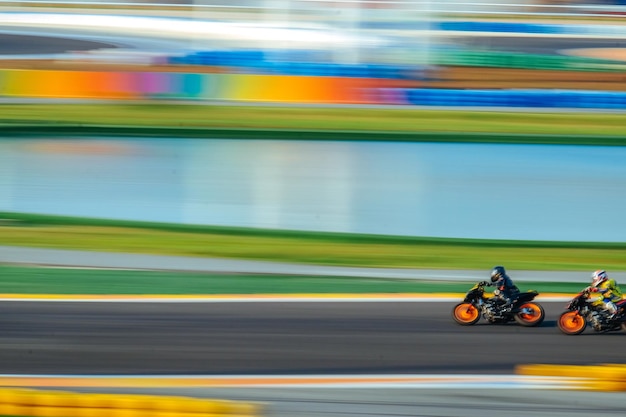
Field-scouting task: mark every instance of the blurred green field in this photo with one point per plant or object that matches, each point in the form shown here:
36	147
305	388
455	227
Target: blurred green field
314	118
28	280
314	248
306	248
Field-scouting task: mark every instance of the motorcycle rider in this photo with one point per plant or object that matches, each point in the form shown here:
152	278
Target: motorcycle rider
608	289
506	290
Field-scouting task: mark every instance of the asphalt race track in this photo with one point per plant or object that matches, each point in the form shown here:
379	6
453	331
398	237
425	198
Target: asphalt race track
319	338
278	338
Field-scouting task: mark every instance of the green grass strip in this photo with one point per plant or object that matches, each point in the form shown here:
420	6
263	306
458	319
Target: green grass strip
307	122
31	280
306	248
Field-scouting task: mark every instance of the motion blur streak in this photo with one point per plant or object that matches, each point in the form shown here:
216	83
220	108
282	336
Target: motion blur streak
395	188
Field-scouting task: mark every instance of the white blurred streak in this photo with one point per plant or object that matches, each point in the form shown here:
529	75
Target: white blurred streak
349	16
239	8
184	29
277	12
350	31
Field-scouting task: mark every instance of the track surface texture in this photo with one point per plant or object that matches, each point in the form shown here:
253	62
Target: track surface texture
278	338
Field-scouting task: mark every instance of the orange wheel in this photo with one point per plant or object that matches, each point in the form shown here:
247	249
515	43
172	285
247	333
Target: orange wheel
571	322
465	314
530	315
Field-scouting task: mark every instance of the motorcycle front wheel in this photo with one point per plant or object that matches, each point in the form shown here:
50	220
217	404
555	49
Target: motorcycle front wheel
530	315
465	314
571	323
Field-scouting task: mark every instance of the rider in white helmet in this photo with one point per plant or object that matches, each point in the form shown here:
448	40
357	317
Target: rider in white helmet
608	289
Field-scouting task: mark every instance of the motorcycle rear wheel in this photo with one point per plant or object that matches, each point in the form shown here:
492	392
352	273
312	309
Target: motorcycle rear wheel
572	323
530	315
465	314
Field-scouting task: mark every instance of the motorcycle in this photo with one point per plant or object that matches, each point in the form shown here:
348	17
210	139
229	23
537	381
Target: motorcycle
523	310
580	311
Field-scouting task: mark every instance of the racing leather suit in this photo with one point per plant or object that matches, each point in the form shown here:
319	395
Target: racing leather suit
508	290
610	294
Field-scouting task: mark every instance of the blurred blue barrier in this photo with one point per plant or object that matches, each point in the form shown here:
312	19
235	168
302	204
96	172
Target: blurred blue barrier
518	98
503	27
543	28
507	27
256	61
315	64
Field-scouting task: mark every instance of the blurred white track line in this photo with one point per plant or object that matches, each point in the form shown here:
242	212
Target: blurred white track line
304	381
332	298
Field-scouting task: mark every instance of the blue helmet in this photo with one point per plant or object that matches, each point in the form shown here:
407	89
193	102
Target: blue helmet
497	272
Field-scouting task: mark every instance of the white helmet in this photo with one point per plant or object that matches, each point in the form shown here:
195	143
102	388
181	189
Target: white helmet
598	277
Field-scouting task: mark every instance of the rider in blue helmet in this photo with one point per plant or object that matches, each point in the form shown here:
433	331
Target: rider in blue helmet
505	290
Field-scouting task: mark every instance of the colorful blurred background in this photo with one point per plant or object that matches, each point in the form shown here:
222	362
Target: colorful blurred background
513	53
439	136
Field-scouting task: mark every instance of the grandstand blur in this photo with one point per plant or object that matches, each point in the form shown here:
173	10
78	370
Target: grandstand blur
379	38
445	45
